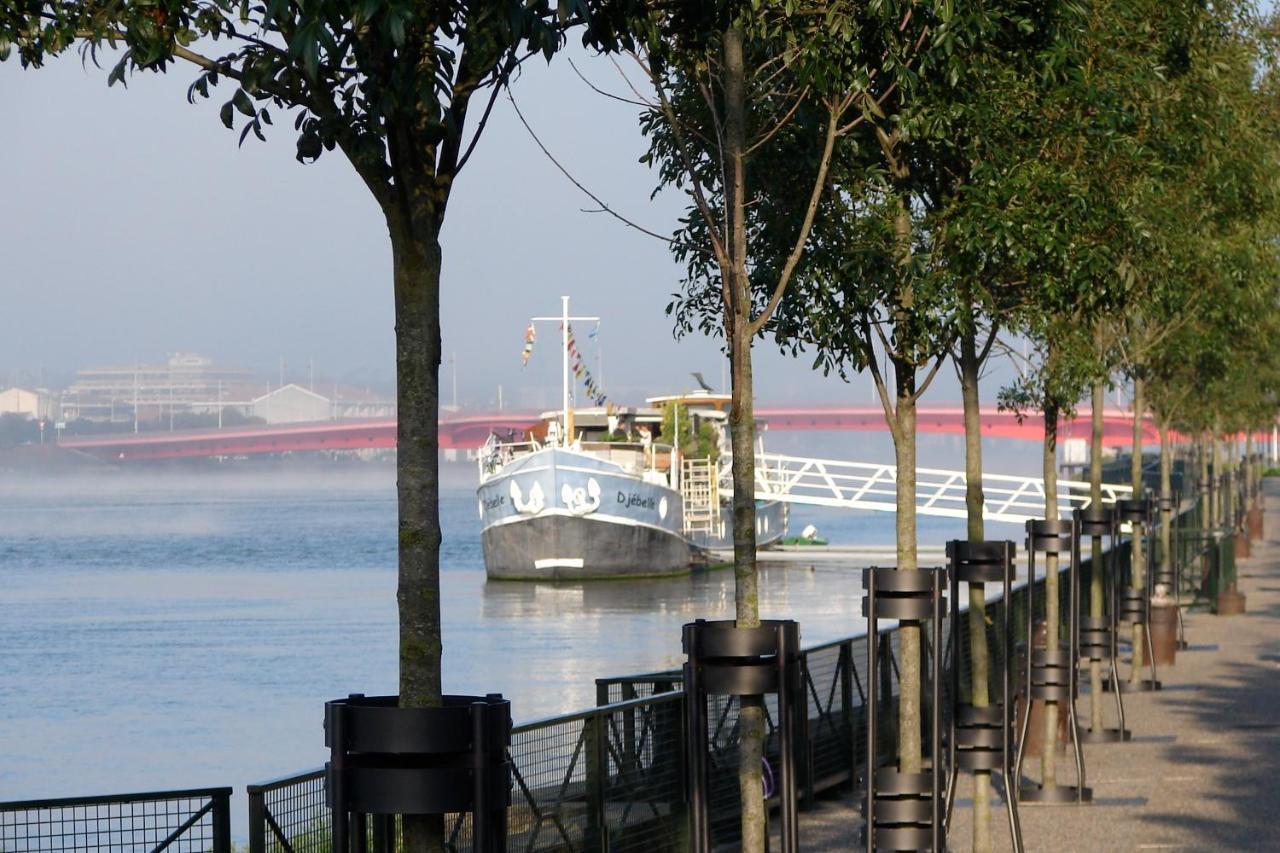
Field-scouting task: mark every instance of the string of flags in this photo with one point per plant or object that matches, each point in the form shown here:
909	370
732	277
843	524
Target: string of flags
579	367
582	373
529	337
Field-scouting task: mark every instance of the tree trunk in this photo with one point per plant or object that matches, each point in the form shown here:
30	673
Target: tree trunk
751	720
1137	555
910	756
1097	571
1166	490
979	655
746	594
416	260
1207	511
1049	750
1249	469
1233	474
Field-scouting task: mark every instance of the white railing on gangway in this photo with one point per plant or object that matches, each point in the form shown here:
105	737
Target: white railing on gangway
857	485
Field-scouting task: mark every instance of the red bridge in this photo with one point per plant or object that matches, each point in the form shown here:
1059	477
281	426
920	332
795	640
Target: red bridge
470	431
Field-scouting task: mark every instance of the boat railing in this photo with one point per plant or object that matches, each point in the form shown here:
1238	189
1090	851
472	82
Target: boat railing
494	454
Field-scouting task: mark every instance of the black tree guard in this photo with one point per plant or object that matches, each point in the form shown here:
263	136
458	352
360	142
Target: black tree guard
724	660
1135	604
1168	504
1099	635
904	811
1052	674
982	738
386	760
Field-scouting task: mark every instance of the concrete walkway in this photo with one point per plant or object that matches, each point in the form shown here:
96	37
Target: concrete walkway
1203	769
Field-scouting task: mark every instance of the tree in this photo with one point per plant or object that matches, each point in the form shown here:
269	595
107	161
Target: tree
734	84
872	296
928	238
403	89
1096	130
1209	174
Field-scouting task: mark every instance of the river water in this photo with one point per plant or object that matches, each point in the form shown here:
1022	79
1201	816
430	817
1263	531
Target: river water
180	630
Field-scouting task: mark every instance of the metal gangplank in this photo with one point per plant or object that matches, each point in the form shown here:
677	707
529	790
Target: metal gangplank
856	485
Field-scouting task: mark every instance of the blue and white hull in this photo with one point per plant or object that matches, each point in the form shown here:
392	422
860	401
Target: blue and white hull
560	514
771	527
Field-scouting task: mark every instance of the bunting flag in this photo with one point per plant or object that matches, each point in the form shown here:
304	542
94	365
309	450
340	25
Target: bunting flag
581	372
529	337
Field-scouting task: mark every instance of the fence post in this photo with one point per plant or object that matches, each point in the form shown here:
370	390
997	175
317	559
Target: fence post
221	820
804	745
597	833
846	710
682	830
257	819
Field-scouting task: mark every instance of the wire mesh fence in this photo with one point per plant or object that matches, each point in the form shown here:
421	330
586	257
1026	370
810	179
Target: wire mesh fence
189	821
612	778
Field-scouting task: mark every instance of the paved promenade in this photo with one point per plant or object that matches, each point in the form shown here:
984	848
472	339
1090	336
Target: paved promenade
1203	770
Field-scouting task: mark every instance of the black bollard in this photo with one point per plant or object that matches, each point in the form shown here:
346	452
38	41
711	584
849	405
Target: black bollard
904	811
982	738
386	761
724	660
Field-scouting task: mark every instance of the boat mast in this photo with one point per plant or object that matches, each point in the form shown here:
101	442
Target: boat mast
564	365
564	319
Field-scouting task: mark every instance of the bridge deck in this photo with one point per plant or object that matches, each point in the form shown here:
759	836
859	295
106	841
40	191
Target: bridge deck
469	432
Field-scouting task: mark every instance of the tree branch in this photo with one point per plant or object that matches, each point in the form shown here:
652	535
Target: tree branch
714	227
793	259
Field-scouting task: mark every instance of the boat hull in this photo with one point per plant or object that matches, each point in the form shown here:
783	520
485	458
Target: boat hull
771	527
564	547
561	514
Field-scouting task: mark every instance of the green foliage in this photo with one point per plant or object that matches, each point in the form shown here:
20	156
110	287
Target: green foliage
1205	334
702	444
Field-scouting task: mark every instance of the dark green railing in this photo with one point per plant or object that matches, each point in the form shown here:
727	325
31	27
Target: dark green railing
197	820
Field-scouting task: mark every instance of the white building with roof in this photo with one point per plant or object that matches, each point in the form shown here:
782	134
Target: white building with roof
36	404
291	404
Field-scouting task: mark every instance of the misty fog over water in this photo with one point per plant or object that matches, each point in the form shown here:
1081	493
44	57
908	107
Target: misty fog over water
174	629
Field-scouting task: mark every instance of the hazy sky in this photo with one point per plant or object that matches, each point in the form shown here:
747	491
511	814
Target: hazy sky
134	227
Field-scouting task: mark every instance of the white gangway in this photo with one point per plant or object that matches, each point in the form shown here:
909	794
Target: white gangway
857	485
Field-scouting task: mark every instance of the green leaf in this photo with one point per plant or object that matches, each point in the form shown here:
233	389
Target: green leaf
242	103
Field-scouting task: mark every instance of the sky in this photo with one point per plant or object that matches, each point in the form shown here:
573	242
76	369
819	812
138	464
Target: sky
134	227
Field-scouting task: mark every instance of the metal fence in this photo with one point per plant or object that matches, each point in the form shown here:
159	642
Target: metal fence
612	778
194	821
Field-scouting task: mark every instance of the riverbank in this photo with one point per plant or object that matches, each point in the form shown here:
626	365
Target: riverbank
1200	771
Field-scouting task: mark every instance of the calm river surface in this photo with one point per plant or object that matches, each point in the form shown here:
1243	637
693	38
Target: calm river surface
178	630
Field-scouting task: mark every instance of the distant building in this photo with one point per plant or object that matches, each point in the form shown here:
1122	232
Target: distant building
352	402
187	383
291	404
20	401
